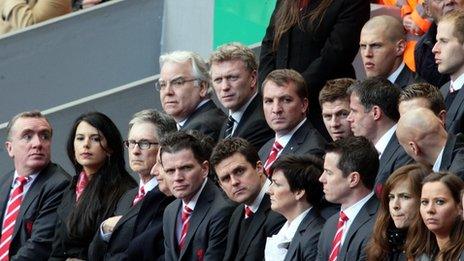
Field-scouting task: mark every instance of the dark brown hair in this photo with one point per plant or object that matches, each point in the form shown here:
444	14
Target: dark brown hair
335	90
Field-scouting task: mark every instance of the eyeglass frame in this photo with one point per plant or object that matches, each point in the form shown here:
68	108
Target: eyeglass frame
143	144
180	82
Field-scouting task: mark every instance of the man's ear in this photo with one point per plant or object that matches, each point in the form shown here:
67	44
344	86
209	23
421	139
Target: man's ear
205	168
203	89
354	178
400	47
376	112
9	148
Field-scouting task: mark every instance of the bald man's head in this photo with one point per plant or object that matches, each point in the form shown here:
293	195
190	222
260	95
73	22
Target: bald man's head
382	45
421	134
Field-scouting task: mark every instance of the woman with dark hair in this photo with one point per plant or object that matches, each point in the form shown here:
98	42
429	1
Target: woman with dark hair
438	233
399	206
296	194
317	38
96	150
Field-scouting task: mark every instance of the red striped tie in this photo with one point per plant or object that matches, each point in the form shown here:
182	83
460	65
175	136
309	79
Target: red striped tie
12	211
248	212
276	147
186	213
337	241
139	196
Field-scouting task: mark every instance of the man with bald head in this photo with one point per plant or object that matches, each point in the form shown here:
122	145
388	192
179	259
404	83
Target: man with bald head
424	138
382	45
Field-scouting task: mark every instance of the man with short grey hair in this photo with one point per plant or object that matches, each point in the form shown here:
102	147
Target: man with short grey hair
31	193
185	92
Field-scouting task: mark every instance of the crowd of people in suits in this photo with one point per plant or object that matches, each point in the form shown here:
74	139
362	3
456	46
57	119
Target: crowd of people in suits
306	163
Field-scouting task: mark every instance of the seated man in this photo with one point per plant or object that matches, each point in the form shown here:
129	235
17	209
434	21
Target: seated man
335	104
285	104
233	74
241	176
146	128
16	14
382	44
348	179
424	138
185	92
422	95
195	225
32	192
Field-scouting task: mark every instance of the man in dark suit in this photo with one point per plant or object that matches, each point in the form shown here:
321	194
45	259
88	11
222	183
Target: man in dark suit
241	176
35	186
335	104
382	44
285	105
450	60
234	78
195	224
422	95
424	138
348	179
374	113
185	92
146	128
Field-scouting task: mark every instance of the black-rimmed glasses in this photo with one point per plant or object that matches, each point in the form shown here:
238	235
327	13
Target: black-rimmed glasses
143	144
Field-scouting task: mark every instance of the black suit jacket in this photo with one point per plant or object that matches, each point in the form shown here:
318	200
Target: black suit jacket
406	77
147	241
207	234
455	113
354	246
264	223
453	155
208	119
305	140
304	243
34	228
392	158
252	126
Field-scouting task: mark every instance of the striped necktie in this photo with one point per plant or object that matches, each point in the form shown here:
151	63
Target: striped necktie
337	241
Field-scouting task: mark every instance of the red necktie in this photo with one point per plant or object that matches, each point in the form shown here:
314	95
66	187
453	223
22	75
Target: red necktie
276	148
81	184
186	213
248	212
139	196
337	241
12	211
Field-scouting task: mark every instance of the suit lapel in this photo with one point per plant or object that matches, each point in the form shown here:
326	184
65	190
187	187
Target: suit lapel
256	223
445	89
361	218
133	212
199	213
448	153
198	111
454	108
305	224
247	114
5	193
388	153
297	139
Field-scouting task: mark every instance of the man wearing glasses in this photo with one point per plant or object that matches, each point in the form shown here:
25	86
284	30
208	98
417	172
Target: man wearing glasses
146	128
185	92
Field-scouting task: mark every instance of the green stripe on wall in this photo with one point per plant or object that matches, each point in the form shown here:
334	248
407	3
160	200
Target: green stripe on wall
242	21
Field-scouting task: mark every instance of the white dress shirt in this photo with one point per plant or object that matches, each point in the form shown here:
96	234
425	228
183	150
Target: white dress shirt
284	139
437	164
238	114
392	78
382	143
352	211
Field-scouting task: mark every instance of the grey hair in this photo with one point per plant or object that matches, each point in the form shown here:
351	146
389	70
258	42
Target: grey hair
24	114
199	66
164	123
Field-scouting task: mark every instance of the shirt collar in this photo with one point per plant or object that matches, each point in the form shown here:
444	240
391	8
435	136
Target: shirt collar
30	178
383	141
255	205
437	164
237	115
392	78
284	139
457	84
193	202
354	209
151	184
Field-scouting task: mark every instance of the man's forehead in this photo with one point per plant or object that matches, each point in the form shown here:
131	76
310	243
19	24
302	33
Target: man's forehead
143	130
29	123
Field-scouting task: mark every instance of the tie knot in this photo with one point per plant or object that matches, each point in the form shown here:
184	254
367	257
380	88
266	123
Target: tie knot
187	210
21	180
141	191
230	121
277	146
343	216
248	212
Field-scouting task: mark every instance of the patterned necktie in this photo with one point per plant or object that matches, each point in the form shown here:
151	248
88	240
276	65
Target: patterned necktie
248	212
81	184
276	148
229	127
139	196
186	213
337	241
12	211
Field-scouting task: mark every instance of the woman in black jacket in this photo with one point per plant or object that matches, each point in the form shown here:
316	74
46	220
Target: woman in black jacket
95	148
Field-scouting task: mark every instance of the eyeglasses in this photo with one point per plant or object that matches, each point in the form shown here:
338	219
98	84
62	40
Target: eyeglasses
174	83
143	144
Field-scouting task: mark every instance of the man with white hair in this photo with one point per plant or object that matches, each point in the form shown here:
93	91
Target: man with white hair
185	92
